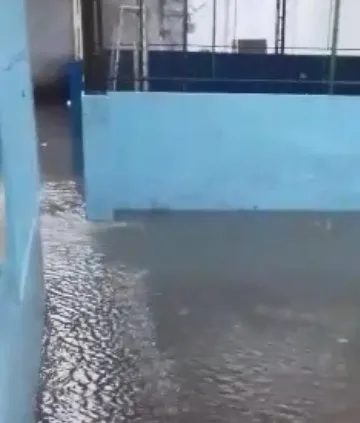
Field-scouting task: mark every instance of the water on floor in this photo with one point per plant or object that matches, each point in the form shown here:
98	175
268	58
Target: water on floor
195	318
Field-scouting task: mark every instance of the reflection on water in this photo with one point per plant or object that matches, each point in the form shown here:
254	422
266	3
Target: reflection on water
197	319
97	330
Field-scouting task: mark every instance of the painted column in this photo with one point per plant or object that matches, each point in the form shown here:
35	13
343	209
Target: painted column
21	286
17	126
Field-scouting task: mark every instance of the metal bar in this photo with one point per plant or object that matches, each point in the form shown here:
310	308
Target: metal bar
99	26
334	46
277	26
280	26
134	9
235	22
283	26
136	67
77	29
140	11
96	29
87	23
213	42
114	67
185	24
255	81
145	50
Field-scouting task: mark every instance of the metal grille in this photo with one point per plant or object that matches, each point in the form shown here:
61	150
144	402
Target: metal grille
111	27
130	31
131	44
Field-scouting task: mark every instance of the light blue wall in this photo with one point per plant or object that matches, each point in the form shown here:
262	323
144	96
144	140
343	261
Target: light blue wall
21	285
220	152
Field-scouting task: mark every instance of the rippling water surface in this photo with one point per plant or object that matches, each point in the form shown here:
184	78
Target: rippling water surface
198	318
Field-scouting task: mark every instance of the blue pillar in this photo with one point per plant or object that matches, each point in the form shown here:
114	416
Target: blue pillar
21	286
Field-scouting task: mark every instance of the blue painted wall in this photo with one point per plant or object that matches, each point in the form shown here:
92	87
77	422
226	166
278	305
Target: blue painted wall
220	152
21	284
176	71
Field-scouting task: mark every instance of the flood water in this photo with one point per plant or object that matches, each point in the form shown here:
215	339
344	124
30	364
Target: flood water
195	318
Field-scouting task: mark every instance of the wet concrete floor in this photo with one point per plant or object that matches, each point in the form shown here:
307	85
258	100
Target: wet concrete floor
195	318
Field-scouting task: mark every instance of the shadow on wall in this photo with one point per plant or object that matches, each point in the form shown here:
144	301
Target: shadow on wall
51	45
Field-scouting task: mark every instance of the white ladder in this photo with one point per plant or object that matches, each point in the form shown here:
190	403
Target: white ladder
142	45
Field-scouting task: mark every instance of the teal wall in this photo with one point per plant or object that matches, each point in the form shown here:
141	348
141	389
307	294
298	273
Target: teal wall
21	285
220	152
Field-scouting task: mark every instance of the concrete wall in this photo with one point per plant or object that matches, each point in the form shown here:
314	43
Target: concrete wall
21	284
220	152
